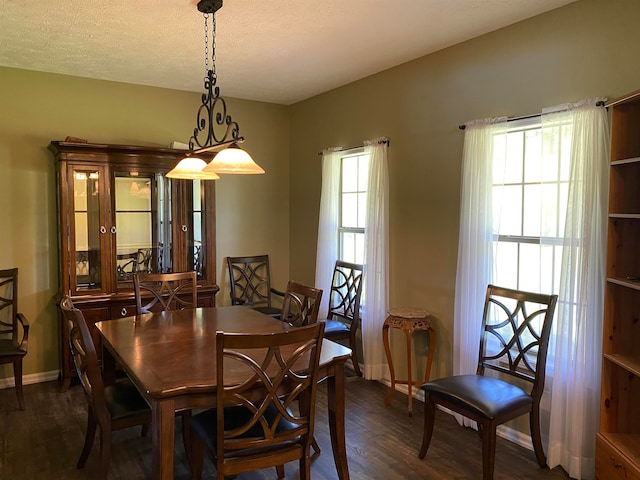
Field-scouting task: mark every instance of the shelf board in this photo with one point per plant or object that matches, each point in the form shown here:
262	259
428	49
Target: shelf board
625	161
633	216
627	443
625	282
631	363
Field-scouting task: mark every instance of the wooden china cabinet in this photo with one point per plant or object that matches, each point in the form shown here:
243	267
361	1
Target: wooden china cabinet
618	442
118	214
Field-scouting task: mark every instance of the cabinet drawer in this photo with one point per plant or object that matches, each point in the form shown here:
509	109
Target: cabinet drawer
611	464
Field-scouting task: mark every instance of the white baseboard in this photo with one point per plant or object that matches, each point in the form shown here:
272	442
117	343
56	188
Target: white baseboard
519	438
29	379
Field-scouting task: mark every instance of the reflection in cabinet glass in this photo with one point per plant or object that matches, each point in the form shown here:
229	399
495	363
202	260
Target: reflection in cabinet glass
118	215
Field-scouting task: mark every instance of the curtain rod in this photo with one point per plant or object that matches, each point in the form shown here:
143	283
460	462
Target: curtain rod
380	142
524	117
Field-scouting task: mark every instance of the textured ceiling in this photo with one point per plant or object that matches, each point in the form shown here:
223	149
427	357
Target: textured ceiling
280	51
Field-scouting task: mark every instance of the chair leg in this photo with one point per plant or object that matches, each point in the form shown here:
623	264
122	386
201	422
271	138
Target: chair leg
305	467
354	355
105	451
534	426
429	419
17	373
280	471
88	439
196	457
315	446
488	451
185	418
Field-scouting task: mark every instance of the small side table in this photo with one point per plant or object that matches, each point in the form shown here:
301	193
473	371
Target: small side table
409	320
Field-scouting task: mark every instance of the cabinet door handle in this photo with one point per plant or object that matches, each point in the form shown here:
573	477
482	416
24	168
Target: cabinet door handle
184	228
103	230
123	312
113	229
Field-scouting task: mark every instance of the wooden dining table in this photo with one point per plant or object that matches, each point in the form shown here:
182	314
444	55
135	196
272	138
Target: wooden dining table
170	357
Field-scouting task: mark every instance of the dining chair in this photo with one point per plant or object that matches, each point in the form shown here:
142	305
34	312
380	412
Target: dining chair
515	336
301	304
12	325
250	284
343	317
110	407
259	376
168	291
165	291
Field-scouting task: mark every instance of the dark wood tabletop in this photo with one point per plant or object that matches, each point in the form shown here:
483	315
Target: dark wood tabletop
170	357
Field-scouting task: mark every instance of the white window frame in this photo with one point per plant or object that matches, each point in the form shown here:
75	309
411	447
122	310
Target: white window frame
356	255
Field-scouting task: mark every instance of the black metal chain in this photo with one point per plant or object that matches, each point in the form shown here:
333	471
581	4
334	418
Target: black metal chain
206	43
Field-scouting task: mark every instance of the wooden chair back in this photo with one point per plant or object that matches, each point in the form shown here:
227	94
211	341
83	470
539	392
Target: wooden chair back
301	304
9	304
266	374
250	281
165	291
14	329
516	326
85	357
345	294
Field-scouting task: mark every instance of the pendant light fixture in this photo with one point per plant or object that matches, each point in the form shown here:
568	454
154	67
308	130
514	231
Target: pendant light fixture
214	128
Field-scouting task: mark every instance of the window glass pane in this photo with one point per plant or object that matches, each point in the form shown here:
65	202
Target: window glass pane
349	210
532	206
363	172
348	246
359	249
505	256
565	152
513	165
362	209
529	265
350	174
532	169
507	209
549	217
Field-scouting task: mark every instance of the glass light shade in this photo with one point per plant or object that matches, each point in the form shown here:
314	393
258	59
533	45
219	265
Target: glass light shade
233	160
192	168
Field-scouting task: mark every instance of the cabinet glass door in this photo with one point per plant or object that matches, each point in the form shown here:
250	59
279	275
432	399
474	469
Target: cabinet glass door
195	245
142	225
89	230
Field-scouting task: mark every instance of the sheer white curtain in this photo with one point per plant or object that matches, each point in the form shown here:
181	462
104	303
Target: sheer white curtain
376	288
327	248
475	243
573	137
575	377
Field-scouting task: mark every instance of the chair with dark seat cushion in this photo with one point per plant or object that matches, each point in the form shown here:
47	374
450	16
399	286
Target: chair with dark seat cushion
343	317
259	377
110	407
13	325
250	284
301	304
165	291
515	336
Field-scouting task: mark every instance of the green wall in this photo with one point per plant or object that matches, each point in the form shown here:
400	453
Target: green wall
35	108
585	49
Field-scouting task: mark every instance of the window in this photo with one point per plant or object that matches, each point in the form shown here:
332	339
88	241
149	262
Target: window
354	174
529	201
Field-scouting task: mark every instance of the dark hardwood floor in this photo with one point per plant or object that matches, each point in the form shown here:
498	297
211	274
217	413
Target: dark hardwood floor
44	442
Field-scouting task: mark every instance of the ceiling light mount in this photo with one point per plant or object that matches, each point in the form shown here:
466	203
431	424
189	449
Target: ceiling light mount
209	6
215	129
